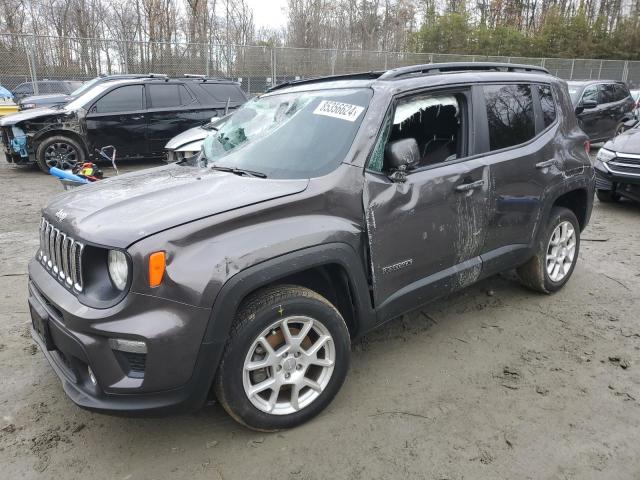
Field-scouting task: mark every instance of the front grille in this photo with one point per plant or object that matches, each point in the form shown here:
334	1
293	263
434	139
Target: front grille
624	168
61	255
626	160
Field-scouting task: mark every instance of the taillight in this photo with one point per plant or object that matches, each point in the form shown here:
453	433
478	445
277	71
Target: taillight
587	147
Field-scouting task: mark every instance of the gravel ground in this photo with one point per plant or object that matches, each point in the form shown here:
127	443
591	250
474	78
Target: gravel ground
494	382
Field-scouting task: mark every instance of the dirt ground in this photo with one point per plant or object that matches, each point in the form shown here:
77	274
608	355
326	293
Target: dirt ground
494	382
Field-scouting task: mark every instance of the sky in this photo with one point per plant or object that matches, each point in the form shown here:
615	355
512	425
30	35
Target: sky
268	13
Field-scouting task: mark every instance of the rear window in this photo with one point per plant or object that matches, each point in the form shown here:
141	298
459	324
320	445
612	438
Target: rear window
547	105
620	92
223	92
123	99
607	93
509	114
168	95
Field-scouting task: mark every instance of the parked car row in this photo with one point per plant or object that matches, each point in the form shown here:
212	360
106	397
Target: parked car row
137	115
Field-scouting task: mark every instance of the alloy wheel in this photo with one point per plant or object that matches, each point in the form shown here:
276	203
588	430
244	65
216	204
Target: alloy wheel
561	251
289	365
61	155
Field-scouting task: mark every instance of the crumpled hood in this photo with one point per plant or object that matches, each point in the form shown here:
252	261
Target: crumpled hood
627	142
30	114
119	211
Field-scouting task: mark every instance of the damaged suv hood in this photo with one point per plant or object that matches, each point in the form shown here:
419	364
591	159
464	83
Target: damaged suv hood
627	142
31	114
118	211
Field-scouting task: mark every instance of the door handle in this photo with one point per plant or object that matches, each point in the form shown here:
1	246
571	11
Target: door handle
548	163
137	117
465	187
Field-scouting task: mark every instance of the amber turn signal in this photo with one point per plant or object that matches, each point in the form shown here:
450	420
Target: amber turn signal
157	262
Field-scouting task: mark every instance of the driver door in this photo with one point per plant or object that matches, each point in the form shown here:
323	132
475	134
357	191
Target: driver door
118	119
426	233
590	118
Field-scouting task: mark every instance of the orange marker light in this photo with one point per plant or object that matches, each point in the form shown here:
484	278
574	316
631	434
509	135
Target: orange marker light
157	262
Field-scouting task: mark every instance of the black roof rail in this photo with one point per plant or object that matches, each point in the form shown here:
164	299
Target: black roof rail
450	67
329	78
193	75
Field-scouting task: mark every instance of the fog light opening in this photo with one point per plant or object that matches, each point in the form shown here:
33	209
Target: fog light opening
92	377
130	346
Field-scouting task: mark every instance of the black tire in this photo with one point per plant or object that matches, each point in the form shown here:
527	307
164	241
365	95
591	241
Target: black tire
534	274
257	313
70	151
621	128
607	196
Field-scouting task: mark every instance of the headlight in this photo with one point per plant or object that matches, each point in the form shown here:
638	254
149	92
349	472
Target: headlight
118	268
26	106
605	155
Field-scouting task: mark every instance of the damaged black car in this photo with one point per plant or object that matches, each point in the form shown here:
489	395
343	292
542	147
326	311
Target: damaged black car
136	116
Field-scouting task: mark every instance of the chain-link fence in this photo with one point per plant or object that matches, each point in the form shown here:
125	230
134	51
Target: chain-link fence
25	58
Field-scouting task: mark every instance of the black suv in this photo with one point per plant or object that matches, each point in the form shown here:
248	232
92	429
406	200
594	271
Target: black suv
604	107
314	213
137	116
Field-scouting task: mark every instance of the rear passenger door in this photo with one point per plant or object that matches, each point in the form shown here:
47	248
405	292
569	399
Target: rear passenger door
172	110
118	118
518	134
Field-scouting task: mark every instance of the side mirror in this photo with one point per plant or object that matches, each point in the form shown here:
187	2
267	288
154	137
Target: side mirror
402	155
589	104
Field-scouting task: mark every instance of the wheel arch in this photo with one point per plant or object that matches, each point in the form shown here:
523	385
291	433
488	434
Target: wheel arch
577	201
42	136
332	270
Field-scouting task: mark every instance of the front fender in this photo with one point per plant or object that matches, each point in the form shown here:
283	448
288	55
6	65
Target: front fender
239	286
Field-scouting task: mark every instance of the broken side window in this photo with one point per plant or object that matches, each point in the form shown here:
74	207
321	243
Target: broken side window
433	120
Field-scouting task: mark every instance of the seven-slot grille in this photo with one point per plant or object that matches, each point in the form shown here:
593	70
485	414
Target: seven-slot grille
61	255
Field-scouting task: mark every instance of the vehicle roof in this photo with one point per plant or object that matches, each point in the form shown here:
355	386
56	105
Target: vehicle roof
375	80
421	75
161	78
591	82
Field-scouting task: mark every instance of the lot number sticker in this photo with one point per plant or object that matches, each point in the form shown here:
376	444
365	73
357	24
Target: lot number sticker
344	111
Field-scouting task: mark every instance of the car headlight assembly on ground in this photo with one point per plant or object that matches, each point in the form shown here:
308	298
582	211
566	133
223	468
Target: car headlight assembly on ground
118	269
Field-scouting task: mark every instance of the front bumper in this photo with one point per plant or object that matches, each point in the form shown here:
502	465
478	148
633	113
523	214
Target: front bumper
178	368
625	183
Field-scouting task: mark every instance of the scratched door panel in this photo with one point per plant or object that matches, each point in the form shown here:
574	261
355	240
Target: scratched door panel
422	232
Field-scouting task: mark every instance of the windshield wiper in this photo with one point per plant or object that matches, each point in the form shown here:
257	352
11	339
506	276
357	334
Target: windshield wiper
239	171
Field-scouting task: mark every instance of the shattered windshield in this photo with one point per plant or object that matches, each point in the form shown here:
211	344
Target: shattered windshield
289	135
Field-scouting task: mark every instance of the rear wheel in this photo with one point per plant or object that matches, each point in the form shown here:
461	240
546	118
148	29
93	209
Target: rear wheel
607	196
59	151
285	360
557	253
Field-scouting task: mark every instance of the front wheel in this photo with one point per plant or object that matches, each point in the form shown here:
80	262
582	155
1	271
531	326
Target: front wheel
557	253
286	358
59	151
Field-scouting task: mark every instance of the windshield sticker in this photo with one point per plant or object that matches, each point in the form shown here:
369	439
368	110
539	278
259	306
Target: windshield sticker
344	111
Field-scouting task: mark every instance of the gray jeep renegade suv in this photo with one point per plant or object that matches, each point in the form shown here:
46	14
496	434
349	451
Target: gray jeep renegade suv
314	213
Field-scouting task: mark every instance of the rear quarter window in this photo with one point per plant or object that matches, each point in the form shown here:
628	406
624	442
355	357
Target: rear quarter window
223	92
547	104
509	114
